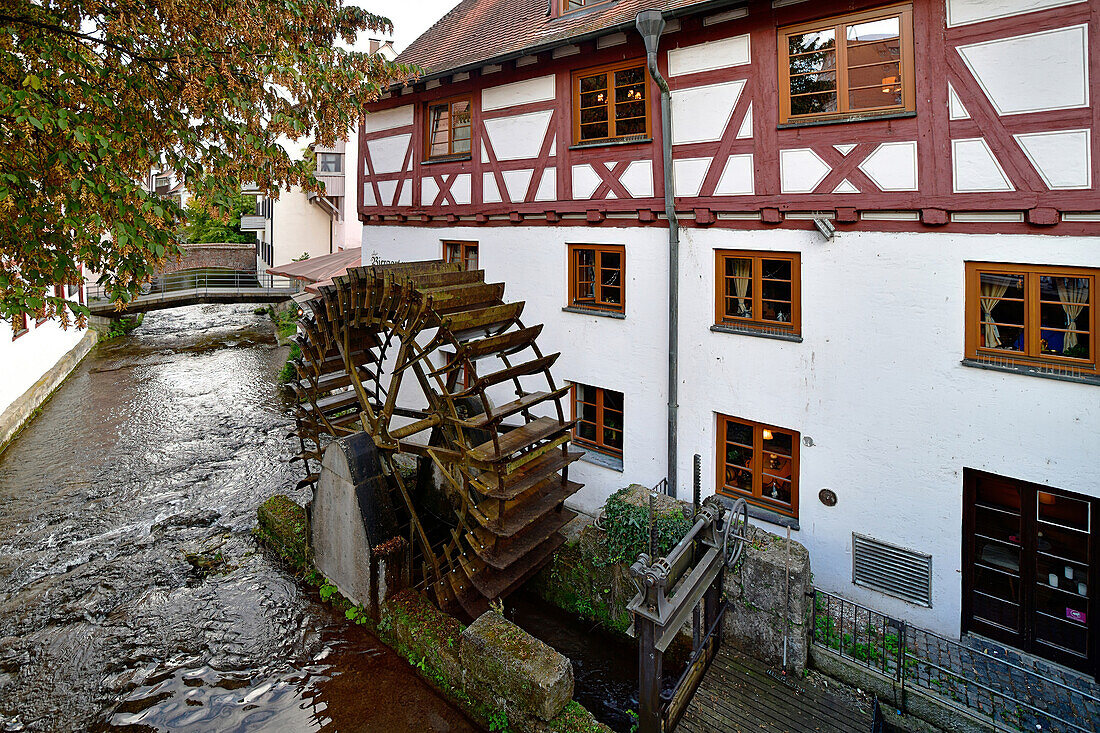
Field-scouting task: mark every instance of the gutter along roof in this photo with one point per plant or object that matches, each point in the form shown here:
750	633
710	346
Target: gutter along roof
477	32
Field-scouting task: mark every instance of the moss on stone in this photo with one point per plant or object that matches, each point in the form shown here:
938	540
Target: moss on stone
283	524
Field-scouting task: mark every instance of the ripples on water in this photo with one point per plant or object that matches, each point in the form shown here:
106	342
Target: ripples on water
160	445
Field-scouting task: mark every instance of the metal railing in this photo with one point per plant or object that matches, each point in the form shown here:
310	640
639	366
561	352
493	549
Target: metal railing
1010	696
203	282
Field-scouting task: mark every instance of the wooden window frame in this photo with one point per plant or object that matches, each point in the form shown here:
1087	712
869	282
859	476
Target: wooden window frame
465	248
757	322
563	6
450	154
904	12
597	303
610	70
1032	354
598	445
757	498
17	331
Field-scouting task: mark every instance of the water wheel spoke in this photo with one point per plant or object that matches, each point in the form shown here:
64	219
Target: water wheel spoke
505	485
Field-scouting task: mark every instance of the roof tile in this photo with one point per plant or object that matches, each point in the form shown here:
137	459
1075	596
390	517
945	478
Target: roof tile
478	31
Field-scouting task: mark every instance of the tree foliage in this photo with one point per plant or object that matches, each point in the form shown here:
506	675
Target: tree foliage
204	226
94	92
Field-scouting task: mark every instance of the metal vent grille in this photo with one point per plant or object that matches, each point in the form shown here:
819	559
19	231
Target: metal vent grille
892	570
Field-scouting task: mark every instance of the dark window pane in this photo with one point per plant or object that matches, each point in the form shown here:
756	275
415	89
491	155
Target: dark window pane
630	77
806	83
611	295
630	127
593	102
586	430
776	489
738	433
776	269
597	131
592	83
776	290
814	104
613	400
777	442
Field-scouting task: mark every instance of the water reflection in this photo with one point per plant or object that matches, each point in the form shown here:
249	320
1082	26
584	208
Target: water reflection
161	446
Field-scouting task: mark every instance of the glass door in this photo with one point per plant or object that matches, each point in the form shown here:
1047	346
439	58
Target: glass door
1029	567
1062	565
997	552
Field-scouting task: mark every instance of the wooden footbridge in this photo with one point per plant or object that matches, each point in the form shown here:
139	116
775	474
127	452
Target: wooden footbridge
719	691
740	694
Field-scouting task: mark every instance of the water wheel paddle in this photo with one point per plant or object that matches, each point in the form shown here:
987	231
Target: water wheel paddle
444	340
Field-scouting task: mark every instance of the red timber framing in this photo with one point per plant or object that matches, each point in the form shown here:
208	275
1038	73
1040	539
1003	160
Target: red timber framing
445	193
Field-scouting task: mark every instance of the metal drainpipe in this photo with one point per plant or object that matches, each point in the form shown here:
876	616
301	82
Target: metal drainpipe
650	24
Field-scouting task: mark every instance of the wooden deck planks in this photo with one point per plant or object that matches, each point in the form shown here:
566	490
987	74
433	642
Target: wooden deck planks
737	695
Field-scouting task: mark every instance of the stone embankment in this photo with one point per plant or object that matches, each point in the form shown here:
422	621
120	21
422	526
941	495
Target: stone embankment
500	675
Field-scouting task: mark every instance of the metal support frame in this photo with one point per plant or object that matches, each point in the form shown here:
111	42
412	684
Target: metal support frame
670	592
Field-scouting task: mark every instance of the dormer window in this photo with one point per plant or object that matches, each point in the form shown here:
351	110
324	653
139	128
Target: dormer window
449	126
568	6
330	163
611	104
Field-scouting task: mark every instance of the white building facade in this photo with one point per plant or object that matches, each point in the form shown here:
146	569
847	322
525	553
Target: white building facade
910	383
36	357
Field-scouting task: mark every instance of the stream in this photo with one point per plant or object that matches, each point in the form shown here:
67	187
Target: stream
159	447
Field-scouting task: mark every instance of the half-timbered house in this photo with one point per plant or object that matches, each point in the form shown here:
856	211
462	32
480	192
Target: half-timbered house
883	303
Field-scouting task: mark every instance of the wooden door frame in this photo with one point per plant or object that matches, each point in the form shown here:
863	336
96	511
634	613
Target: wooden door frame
1028	498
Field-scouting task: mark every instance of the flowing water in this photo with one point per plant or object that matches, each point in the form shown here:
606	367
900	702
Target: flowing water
161	446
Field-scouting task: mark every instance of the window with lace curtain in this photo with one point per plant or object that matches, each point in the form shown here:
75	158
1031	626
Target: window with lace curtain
758	290
1031	315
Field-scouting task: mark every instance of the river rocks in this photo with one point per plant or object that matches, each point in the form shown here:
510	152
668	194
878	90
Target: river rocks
525	675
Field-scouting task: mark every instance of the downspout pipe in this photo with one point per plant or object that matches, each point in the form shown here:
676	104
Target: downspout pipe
650	24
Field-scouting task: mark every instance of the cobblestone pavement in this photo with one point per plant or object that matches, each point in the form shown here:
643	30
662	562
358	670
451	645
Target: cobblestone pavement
1002	682
1017	690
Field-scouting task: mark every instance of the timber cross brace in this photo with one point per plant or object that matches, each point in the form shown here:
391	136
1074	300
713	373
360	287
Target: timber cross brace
670	591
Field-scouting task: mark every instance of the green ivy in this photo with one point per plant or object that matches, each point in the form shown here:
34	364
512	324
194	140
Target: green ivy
626	526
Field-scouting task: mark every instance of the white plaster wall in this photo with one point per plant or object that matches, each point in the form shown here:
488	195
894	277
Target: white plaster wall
624	355
348	231
24	360
298	227
878	387
876	384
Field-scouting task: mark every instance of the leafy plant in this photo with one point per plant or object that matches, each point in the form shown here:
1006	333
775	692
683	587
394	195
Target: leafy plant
206	224
498	721
288	373
326	591
94	96
626	527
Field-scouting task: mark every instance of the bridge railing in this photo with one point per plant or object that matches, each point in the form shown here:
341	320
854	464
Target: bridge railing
203	281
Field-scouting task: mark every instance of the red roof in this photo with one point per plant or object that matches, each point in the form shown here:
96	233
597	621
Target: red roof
478	31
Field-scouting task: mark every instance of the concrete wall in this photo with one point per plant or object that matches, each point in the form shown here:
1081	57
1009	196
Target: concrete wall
33	366
888	415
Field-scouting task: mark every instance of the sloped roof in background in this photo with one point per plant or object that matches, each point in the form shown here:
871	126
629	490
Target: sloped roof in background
478	31
317	271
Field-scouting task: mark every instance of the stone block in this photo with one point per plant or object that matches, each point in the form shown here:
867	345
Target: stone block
419	630
350	514
760	617
525	675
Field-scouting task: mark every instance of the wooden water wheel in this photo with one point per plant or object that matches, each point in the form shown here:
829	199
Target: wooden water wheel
432	363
